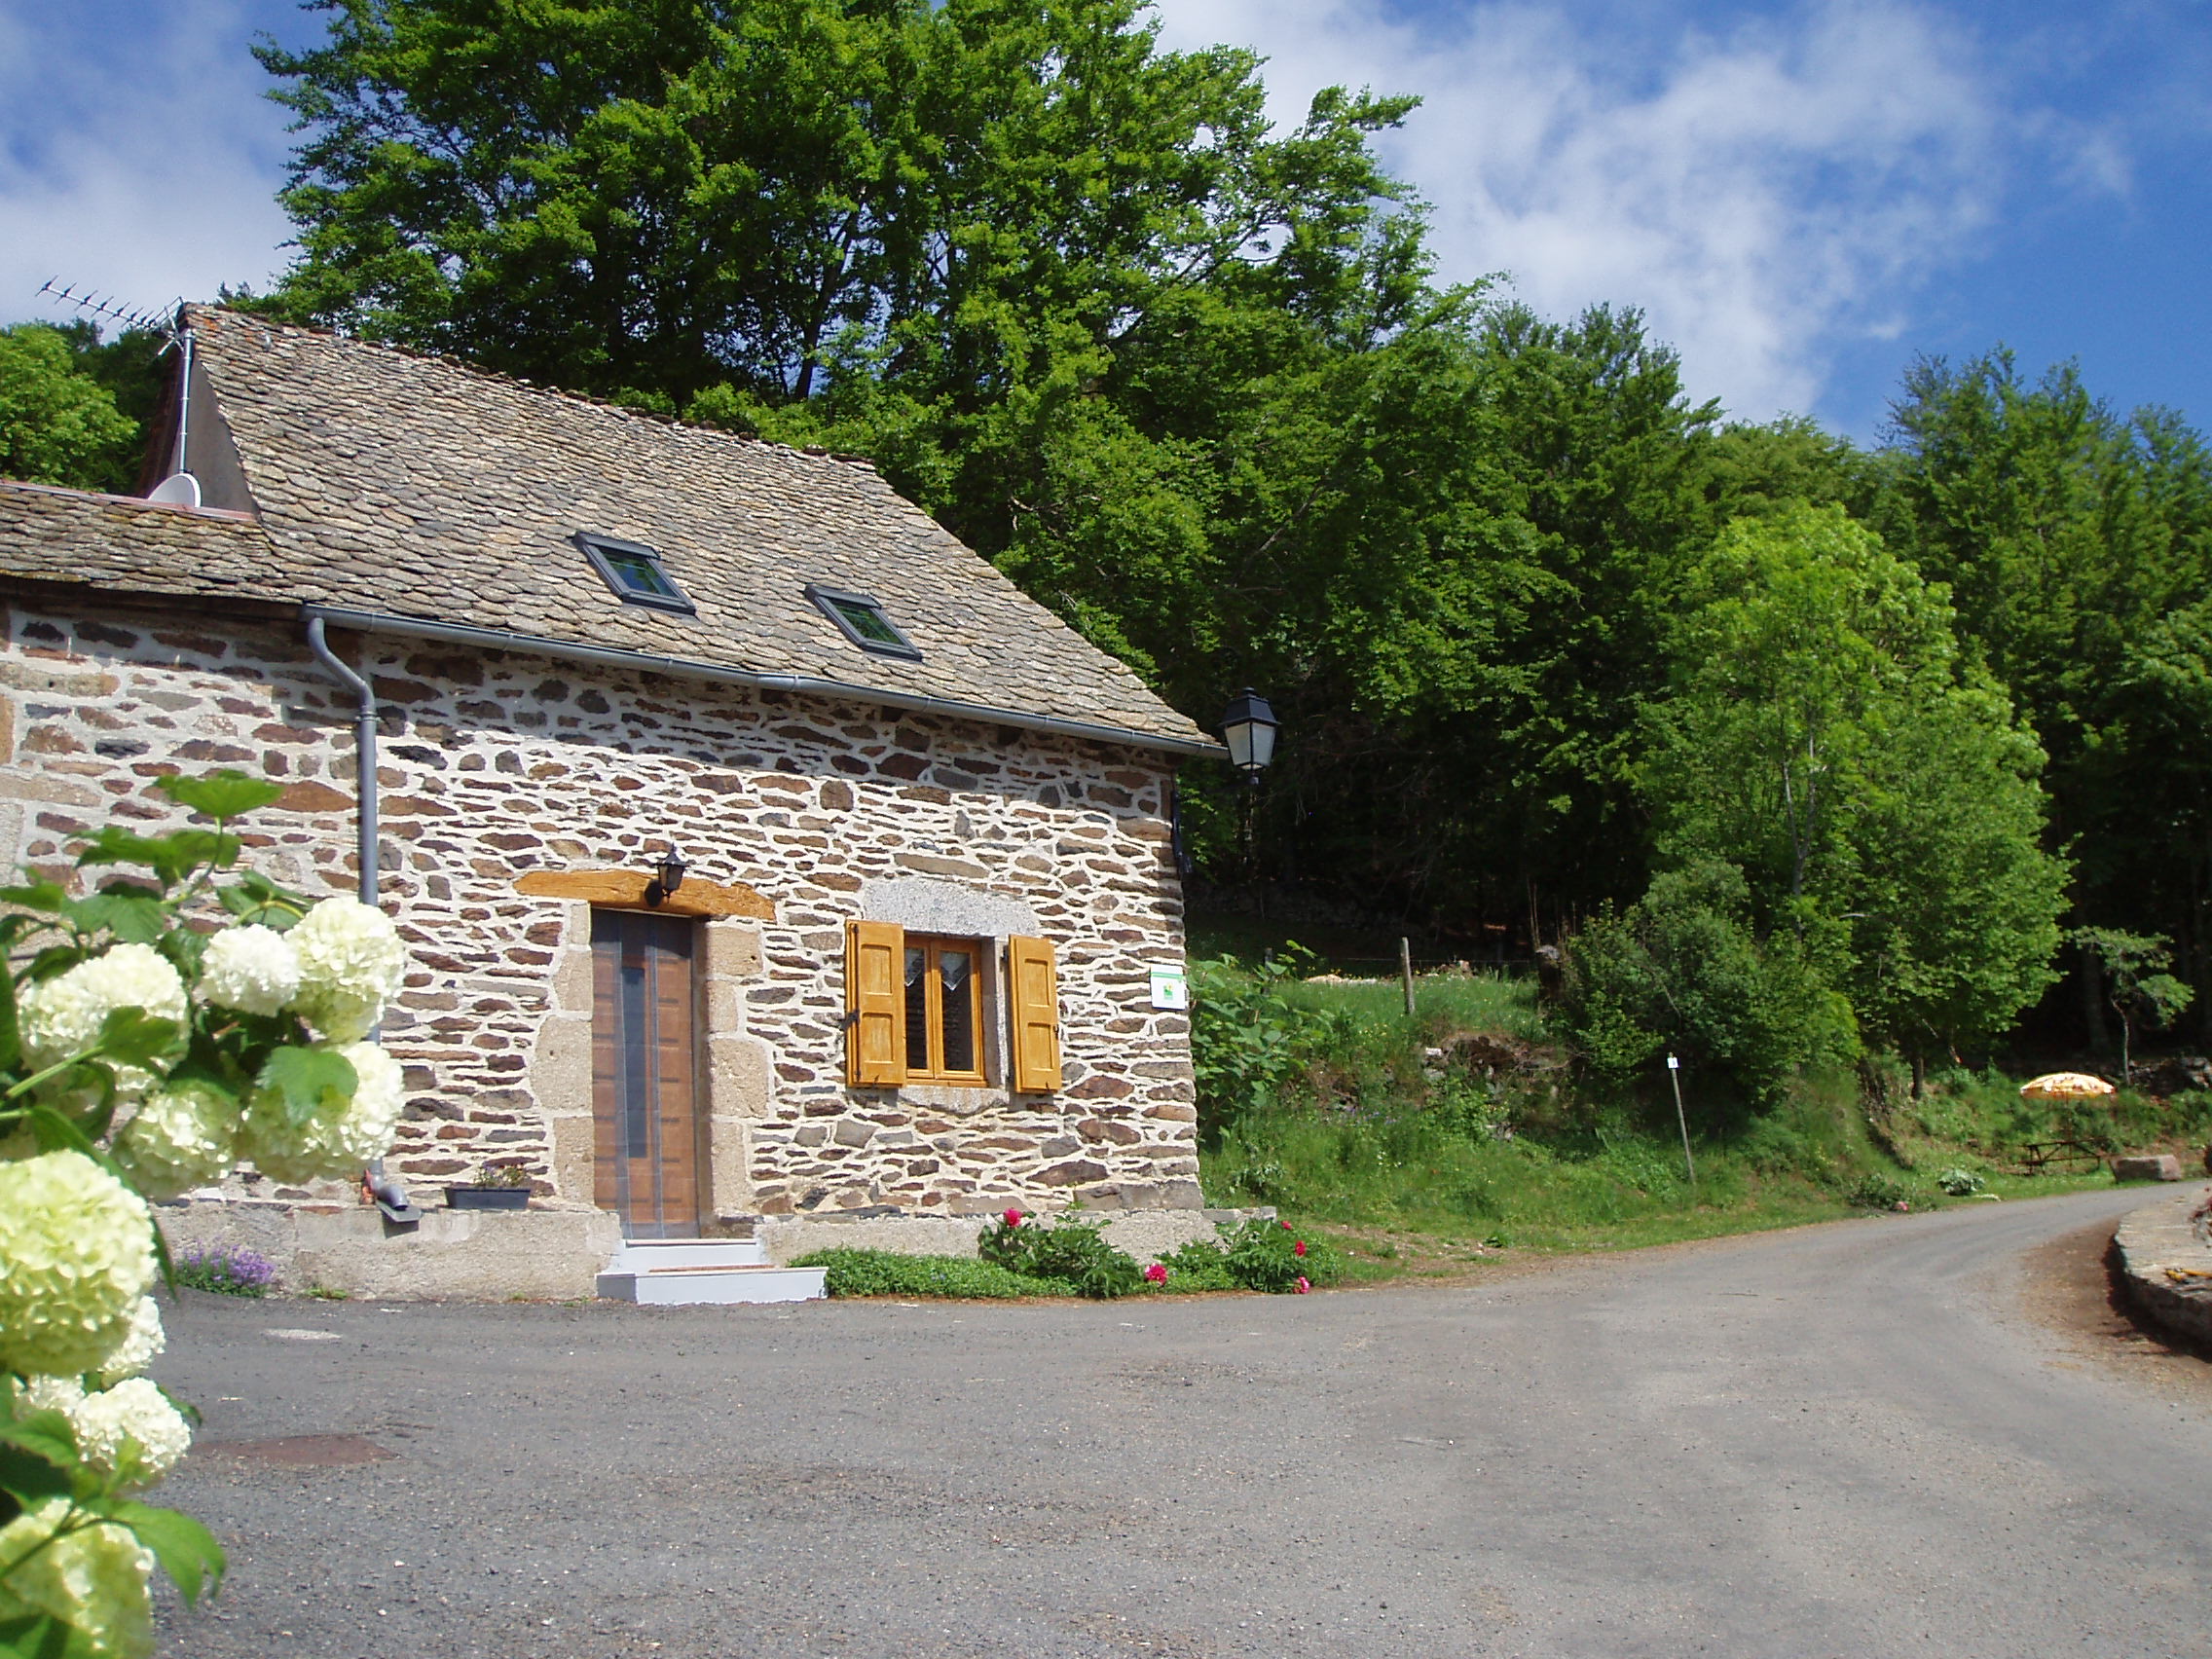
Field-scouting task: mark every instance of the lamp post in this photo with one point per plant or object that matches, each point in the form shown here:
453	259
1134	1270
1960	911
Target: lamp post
1248	726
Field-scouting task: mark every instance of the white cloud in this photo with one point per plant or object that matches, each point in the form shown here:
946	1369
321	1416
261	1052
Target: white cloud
1765	194
143	164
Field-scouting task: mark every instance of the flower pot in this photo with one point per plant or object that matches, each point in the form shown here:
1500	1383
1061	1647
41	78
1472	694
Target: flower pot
488	1197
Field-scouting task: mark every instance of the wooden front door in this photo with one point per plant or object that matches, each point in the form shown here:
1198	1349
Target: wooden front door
645	1095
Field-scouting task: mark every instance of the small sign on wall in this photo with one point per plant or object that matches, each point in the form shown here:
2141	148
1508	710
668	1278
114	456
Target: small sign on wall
1169	988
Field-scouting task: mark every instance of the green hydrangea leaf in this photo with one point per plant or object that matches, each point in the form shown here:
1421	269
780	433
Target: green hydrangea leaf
221	795
36	1455
254	898
187	1551
11	1031
309	1081
132	1036
134	917
47	897
42	1636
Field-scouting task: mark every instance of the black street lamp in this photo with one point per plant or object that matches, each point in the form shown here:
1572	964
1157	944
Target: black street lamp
668	877
1248	727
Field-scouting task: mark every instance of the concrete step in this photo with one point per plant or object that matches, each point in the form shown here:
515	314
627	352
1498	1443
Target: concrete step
649	1255
675	1286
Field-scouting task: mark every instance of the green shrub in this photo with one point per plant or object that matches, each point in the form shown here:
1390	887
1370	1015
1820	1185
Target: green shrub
885	1272
1071	1250
1258	1255
1682	971
1876	1193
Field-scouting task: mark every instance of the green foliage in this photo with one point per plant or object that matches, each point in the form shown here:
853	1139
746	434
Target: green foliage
1070	1250
38	1463
1875	1191
1959	1183
1245	1048
2130	964
58	424
1684	971
1268	1256
1880	800
882	1272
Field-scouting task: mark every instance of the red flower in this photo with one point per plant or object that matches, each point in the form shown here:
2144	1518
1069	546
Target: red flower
1298	1248
1157	1272
1013	1218
1286	1227
1304	1284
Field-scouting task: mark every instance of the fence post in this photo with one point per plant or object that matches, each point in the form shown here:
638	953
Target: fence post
1406	971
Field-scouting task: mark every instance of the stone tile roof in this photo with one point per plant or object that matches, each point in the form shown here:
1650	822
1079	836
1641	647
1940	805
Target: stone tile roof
419	488
122	542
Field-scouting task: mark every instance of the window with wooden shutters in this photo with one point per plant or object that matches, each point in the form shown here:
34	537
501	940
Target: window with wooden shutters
875	1004
944	1009
1032	998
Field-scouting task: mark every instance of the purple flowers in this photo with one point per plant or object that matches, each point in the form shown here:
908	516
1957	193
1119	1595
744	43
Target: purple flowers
228	1270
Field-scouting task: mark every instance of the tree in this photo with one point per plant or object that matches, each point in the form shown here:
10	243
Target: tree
1684	970
2073	538
58	424
2131	965
1878	794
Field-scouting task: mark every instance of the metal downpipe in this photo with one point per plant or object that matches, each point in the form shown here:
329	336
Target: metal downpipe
364	754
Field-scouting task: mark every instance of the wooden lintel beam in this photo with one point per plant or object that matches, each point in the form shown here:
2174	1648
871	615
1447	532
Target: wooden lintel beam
625	889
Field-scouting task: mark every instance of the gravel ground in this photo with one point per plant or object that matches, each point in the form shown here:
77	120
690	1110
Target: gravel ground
1849	1440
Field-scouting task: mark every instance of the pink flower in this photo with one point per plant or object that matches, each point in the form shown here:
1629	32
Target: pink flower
1286	1227
1157	1272
1304	1284
1299	1249
1901	1206
1013	1218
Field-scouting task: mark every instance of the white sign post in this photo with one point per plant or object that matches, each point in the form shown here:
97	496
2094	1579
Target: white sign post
1674	1077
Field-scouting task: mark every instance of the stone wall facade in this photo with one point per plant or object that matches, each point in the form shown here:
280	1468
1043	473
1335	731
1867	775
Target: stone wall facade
493	766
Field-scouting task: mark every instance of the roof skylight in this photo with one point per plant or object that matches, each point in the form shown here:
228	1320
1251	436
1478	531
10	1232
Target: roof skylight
864	621
634	572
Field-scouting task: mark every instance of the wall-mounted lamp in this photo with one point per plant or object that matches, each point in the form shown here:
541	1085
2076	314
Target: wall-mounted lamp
668	877
1248	727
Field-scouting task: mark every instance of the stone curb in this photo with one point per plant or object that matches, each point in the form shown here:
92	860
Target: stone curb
2154	1239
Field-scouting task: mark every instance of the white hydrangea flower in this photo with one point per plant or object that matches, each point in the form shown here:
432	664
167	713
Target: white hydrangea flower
350	961
252	969
48	1393
75	1257
337	1142
134	1410
96	1578
373	1117
180	1138
146	1339
63	1016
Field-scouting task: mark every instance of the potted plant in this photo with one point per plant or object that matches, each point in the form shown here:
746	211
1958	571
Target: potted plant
501	1187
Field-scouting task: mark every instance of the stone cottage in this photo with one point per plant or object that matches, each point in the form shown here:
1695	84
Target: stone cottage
763	851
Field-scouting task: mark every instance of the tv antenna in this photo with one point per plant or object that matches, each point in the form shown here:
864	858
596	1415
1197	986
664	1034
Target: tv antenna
180	488
131	316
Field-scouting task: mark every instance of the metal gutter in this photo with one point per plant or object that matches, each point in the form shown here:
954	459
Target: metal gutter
364	751
685	668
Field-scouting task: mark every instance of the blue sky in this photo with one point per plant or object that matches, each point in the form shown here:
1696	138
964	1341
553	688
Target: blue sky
1800	196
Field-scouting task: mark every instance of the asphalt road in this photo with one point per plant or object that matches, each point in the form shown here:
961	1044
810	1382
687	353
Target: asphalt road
1849	1440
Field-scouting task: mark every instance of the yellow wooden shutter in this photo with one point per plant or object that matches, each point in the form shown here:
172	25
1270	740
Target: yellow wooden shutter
1034	995
876	1003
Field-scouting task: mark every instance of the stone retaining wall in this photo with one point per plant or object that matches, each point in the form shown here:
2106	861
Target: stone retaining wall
2159	1237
